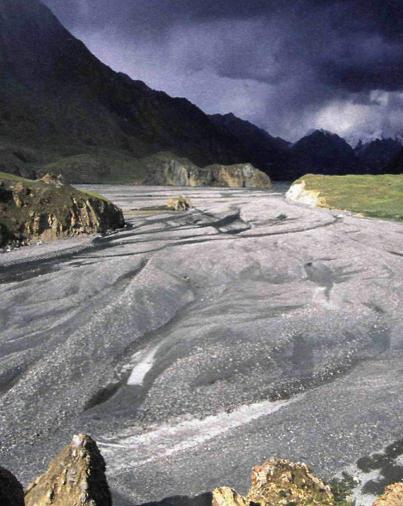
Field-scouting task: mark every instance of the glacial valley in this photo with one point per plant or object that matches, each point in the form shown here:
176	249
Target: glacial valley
192	345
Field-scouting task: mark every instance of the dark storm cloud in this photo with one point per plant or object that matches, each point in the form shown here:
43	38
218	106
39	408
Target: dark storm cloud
285	64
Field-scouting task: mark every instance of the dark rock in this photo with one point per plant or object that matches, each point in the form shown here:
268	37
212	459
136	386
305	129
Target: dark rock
11	491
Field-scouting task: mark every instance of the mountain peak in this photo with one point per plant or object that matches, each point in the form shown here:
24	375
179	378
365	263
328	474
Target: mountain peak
320	132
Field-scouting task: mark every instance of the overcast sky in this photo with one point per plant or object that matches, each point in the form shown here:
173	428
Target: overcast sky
286	65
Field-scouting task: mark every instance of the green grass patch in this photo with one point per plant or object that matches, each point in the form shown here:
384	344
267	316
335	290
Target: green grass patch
16	179
377	196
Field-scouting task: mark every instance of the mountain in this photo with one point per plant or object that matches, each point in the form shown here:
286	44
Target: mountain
396	165
321	152
58	100
63	110
265	151
374	156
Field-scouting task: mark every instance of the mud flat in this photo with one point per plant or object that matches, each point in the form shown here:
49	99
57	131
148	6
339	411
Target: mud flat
193	345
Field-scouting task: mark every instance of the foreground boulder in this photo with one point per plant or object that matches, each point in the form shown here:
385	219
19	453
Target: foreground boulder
278	482
76	477
393	496
49	209
11	491
281	482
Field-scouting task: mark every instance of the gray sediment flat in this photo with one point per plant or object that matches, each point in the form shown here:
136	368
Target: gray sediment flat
194	345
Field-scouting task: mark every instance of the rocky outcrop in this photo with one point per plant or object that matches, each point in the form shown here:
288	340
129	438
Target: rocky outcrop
162	168
240	175
11	491
166	169
393	496
47	209
76	477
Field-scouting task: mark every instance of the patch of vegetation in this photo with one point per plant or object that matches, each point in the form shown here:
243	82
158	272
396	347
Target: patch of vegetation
342	489
378	196
94	195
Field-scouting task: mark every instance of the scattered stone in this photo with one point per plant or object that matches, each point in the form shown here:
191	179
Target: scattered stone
76	477
11	491
179	204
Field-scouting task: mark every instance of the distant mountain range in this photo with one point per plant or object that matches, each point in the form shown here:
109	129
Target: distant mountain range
58	102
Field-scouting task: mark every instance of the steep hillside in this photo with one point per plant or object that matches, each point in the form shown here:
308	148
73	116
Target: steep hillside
57	98
58	102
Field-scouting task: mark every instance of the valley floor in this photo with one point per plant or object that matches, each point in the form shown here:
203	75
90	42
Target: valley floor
195	345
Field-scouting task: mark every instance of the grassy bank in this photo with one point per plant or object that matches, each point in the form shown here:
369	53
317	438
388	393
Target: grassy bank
378	196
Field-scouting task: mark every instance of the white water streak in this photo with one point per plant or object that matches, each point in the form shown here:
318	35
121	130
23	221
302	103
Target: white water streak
166	440
144	363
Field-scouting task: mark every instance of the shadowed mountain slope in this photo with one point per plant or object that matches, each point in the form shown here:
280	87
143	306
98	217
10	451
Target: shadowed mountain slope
58	98
377	154
265	151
